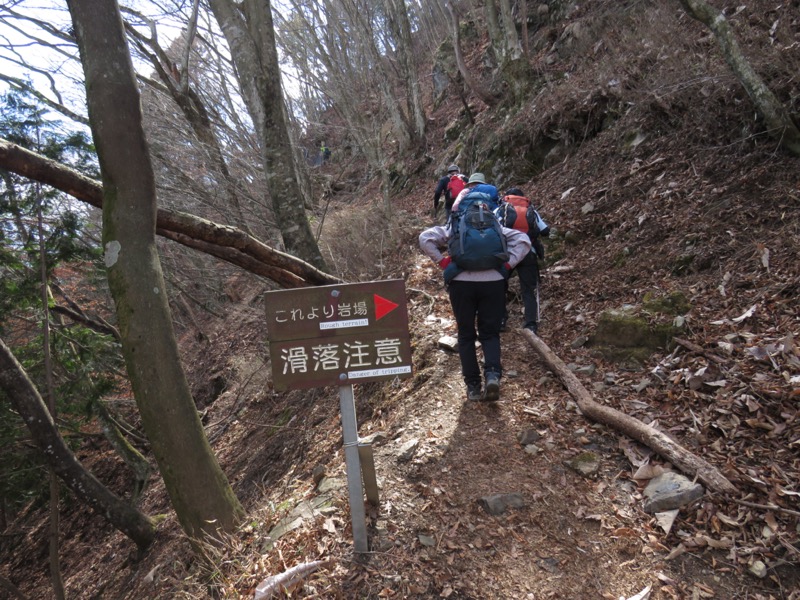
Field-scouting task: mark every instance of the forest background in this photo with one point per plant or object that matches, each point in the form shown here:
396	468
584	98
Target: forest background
659	140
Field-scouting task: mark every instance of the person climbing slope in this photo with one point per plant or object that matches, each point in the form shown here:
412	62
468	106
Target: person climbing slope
517	211
449	186
481	254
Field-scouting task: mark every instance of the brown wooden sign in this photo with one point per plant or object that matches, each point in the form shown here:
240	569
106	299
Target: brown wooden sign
338	334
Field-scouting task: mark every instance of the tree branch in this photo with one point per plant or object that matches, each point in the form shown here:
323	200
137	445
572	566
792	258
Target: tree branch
222	241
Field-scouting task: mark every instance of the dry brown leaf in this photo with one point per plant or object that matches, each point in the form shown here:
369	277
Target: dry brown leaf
770	520
720	544
676	552
643	595
666	519
624	532
329	525
727	520
648	471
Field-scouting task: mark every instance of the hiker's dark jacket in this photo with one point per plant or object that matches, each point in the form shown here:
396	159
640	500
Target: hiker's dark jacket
441	188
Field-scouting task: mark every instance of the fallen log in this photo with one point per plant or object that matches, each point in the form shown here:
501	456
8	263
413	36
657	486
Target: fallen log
222	241
284	582
654	439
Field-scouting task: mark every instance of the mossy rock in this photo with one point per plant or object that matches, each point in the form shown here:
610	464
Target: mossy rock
453	130
586	463
674	304
626	337
682	264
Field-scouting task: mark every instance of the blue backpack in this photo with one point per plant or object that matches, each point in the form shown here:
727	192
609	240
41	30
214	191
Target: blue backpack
491	191
477	242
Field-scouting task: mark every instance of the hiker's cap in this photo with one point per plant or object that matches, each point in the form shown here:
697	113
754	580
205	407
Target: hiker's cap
477	178
514	192
453	169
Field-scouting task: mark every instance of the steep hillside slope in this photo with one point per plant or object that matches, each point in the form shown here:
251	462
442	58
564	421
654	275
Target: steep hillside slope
644	154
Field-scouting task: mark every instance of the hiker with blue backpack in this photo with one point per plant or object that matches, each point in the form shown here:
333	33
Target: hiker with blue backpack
449	186
480	256
477	183
516	211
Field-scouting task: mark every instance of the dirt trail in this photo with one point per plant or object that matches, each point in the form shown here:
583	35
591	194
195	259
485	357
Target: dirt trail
575	537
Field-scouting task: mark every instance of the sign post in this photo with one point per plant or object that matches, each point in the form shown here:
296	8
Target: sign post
353	467
340	335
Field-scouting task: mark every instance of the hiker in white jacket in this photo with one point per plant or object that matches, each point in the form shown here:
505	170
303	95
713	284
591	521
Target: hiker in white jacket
477	296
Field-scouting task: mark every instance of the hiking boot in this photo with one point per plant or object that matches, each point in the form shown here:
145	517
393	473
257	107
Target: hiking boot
492	387
474	392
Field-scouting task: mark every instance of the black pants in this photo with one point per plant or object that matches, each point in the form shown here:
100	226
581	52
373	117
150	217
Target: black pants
528	271
482	302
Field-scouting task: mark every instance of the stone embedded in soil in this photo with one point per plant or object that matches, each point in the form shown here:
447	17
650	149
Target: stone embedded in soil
585	463
759	569
497	504
374	438
528	436
578	342
408	450
669	491
329	484
448	342
318	473
549	564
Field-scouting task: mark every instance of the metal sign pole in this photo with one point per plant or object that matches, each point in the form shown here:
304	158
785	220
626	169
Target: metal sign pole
353	467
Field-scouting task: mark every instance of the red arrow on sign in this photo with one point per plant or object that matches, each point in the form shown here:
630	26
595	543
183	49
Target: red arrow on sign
383	306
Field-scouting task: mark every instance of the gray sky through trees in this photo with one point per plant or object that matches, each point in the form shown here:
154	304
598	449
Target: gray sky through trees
37	48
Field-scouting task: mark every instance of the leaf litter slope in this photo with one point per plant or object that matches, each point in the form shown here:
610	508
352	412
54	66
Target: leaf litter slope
697	207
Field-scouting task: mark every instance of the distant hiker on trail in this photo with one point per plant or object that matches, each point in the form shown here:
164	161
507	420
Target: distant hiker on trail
477	183
450	185
481	254
517	212
324	152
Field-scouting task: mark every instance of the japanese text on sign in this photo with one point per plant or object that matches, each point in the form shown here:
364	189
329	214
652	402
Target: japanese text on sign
329	335
342	311
347	355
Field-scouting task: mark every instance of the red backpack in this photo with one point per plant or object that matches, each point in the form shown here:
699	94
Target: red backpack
455	185
518	218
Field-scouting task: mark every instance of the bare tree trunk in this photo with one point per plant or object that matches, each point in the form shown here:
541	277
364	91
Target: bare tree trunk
284	190
512	46
470	82
9	587
405	45
523	17
401	126
200	494
176	82
325	37
130	455
493	28
647	435
778	120
251	37
31	407
55	566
